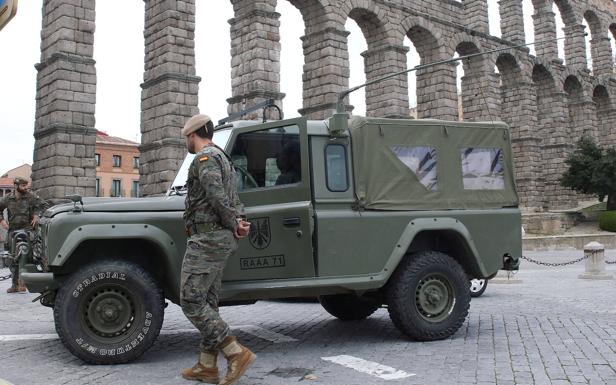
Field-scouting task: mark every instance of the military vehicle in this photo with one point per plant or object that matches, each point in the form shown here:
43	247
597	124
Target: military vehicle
362	213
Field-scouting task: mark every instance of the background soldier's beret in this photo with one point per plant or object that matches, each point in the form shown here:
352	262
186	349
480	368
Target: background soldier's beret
195	123
20	180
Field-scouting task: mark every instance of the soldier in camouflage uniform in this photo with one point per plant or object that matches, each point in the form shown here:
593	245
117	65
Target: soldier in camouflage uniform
24	209
213	225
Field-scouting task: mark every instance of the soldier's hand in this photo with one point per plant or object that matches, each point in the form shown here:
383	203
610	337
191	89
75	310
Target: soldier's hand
4	224
242	230
35	220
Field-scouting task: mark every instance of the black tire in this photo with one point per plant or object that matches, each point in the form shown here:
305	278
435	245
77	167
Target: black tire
349	307
478	286
109	312
428	296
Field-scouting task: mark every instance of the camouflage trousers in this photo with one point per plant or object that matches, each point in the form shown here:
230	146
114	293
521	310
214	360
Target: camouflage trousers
204	261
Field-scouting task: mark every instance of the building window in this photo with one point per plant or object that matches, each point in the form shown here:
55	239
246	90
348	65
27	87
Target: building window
116	188
135	190
136	162
98	159
117	161
98	187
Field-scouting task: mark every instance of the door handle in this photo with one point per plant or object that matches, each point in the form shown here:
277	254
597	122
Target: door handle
291	222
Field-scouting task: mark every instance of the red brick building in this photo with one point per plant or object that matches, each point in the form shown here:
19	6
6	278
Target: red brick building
117	166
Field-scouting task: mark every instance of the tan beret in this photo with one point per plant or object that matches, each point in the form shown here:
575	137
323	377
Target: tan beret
195	123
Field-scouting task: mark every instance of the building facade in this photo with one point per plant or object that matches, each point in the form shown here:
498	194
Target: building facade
117	167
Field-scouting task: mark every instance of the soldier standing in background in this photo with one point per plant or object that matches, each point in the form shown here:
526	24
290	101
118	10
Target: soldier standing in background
213	225
24	209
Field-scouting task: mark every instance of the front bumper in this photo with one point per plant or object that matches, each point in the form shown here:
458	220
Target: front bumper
36	281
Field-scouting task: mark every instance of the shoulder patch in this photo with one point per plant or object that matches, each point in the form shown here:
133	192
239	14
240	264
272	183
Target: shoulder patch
204	158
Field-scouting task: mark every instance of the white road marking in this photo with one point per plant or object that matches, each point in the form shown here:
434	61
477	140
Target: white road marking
27	337
256	331
369	367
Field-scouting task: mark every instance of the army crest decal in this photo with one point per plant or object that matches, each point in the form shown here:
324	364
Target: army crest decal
260	234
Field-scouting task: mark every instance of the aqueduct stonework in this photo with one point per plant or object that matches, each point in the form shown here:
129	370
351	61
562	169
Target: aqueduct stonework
549	103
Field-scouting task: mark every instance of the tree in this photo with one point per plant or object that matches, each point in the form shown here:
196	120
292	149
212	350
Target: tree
592	170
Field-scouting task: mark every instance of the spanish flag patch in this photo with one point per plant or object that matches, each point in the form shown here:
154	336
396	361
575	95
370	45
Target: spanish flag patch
204	158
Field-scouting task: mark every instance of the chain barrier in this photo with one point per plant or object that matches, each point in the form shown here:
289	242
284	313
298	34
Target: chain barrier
610	262
553	264
5	277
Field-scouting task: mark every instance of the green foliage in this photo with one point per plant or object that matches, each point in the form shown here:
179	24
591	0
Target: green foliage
607	221
592	170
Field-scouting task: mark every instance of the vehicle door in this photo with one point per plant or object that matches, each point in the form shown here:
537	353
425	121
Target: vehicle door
273	181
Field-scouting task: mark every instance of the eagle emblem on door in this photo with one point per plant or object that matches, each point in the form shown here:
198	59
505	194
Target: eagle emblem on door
260	234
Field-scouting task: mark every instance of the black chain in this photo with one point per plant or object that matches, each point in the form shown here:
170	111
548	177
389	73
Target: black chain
556	264
5	277
610	262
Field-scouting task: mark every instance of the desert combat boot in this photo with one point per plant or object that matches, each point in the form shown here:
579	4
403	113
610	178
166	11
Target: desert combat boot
239	358
205	370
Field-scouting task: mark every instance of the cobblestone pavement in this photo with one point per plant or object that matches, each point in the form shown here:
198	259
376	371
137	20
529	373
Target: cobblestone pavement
550	328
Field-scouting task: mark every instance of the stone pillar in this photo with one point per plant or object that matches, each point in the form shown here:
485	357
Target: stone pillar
595	262
169	93
436	92
545	34
556	145
480	97
582	115
512	21
609	127
476	15
520	112
575	46
255	56
389	98
326	71
65	100
601	51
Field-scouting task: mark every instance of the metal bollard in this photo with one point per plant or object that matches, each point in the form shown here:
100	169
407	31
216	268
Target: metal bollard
595	262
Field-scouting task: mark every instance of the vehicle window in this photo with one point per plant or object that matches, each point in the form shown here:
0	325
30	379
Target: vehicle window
336	167
422	162
267	158
482	168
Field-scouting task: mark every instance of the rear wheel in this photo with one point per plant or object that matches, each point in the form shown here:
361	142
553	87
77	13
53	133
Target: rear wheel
478	286
349	307
110	312
428	296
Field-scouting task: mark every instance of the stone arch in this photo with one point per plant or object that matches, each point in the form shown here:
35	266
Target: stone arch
427	39
478	103
371	19
316	13
575	51
510	70
600	47
606	114
385	55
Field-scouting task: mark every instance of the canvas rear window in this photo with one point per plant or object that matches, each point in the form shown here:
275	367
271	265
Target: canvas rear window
482	168
421	161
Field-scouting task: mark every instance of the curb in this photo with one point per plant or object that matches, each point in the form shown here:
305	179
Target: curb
565	242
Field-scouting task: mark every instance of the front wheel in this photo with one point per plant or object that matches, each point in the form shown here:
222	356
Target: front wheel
428	296
110	312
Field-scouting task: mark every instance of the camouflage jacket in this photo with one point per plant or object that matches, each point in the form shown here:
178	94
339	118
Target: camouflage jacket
212	197
22	210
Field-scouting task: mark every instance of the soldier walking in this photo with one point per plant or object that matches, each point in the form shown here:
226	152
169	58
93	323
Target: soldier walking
24	209
213	225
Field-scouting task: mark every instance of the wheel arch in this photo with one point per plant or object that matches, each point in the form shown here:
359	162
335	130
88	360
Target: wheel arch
447	235
143	252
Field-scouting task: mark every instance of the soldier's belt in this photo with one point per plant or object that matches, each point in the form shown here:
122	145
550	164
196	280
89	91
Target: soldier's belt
203	228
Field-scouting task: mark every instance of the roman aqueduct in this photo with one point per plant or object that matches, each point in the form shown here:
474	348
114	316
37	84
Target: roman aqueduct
548	102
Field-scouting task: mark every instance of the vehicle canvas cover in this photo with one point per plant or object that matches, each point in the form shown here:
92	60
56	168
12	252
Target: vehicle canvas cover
404	164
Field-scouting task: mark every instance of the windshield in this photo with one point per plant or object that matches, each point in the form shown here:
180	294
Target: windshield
221	137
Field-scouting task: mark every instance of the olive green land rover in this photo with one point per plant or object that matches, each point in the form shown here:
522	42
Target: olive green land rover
359	212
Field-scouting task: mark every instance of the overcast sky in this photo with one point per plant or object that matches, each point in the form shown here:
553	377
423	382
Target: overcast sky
118	51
